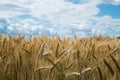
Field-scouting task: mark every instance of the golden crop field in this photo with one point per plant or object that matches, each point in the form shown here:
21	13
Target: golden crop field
46	58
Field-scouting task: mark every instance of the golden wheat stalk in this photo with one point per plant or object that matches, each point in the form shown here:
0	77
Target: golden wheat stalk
100	73
109	67
115	62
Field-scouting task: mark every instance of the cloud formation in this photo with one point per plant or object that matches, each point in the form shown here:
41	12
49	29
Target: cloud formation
57	17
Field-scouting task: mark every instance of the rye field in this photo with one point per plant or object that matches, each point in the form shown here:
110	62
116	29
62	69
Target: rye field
53	58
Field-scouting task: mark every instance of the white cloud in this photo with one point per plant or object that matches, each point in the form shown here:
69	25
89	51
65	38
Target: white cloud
10	9
114	2
58	17
96	2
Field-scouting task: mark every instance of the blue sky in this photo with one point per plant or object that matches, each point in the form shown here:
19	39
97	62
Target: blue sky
66	18
109	9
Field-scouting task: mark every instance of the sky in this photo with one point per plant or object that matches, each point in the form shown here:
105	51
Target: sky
64	18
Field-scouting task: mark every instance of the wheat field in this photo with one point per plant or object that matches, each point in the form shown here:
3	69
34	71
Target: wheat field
53	58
